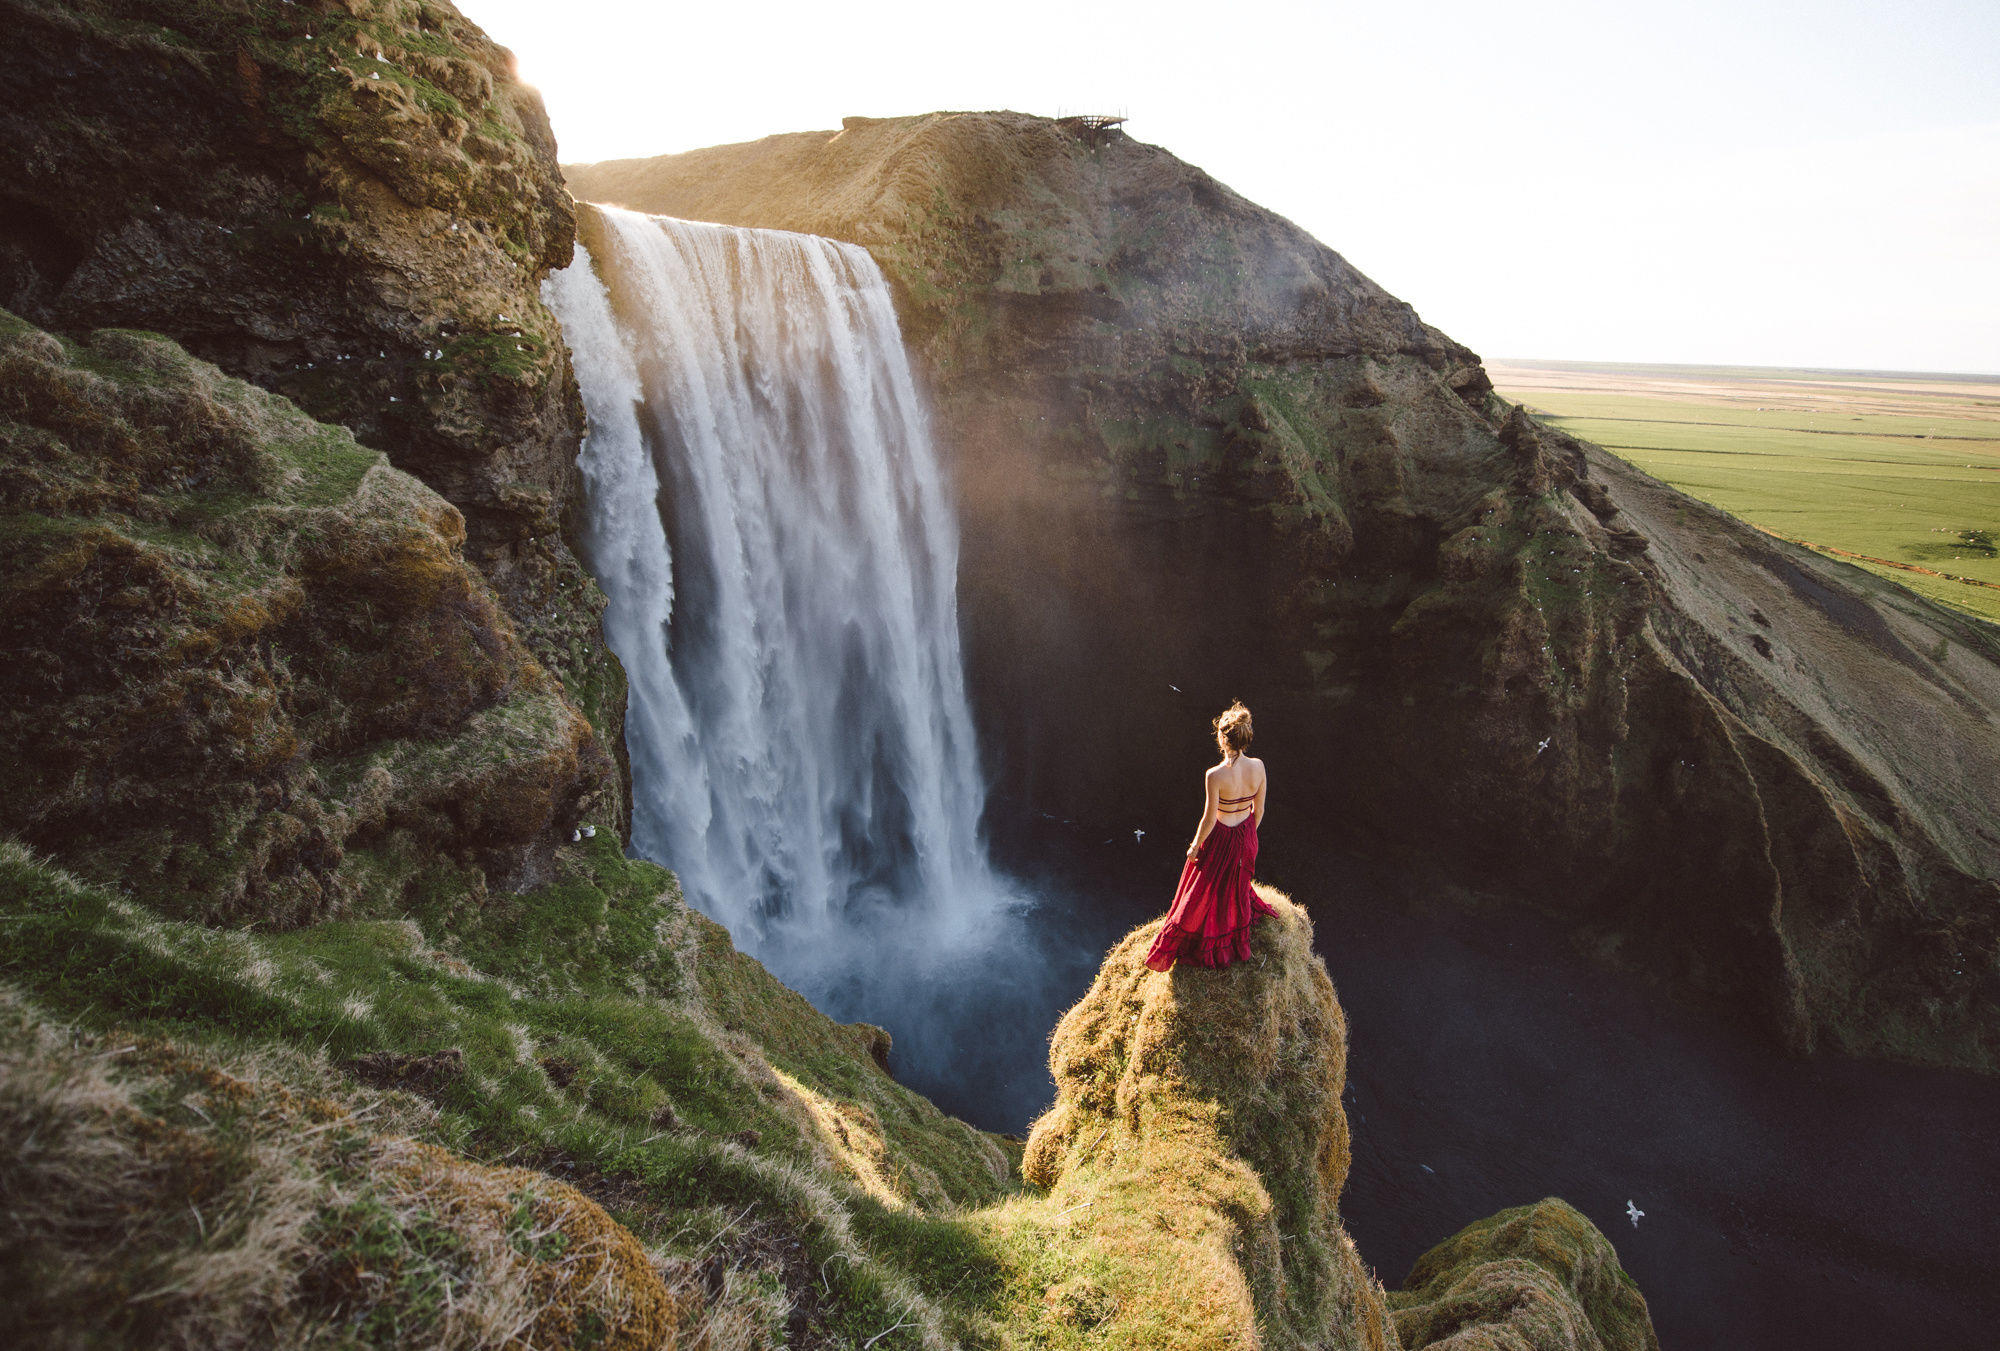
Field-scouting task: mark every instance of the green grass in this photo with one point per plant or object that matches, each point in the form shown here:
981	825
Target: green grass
580	1012
1911	488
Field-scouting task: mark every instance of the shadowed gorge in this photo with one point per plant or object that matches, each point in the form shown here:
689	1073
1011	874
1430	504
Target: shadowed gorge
1196	449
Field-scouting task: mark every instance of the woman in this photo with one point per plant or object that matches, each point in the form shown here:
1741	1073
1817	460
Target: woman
1214	906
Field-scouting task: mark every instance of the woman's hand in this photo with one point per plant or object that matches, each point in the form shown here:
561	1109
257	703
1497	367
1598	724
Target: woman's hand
1194	849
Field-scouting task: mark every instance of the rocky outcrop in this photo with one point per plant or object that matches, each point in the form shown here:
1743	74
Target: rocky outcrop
1199	1138
244	669
349	202
1537	1276
1200	457
1198	1124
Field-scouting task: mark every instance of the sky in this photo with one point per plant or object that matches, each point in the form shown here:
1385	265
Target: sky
1752	183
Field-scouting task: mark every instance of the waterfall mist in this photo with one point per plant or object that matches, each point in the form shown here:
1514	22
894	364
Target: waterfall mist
770	523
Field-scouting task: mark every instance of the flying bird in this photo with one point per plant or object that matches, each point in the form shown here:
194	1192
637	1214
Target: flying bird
1138	835
1634	1212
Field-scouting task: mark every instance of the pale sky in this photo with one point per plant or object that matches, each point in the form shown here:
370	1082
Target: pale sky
1757	182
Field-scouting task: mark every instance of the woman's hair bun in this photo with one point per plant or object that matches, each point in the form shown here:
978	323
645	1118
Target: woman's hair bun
1232	729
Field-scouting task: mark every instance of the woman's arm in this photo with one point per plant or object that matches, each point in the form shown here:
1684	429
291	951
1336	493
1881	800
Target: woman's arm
1207	814
1261	786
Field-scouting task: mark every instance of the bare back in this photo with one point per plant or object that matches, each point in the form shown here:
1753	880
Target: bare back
1236	787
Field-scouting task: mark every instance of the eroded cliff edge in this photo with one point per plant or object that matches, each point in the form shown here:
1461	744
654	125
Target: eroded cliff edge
1197	449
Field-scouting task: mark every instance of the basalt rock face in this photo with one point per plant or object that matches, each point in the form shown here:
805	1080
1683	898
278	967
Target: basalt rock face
1199	456
349	202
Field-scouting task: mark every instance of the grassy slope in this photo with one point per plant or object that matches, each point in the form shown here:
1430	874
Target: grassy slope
445	1097
578	1031
1915	488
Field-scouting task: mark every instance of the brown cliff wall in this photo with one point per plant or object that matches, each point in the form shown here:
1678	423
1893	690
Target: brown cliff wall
1195	448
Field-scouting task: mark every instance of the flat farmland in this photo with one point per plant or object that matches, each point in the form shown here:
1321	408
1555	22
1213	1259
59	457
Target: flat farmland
1897	472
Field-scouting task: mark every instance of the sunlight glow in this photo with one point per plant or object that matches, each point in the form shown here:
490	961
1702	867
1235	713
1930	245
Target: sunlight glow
1767	182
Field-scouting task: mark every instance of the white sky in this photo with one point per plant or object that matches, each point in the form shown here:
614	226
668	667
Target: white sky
1760	182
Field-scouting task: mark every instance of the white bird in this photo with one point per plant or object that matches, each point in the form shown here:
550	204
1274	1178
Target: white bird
1634	1212
1175	688
1138	835
590	832
1428	1169
1544	744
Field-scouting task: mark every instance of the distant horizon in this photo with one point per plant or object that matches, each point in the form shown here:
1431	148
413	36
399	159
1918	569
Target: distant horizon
1611	364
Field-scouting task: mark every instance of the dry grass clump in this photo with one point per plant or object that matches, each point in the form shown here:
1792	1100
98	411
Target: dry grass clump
542	1265
149	1198
1195	1155
1539	1277
215	612
563	1028
146	1199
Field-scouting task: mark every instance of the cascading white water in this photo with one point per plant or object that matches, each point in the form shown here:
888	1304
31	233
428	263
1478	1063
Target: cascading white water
768	518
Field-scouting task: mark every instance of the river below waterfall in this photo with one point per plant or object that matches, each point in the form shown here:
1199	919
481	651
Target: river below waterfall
1827	1203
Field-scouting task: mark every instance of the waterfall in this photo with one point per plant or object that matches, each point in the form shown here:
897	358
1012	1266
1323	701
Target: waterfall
769	521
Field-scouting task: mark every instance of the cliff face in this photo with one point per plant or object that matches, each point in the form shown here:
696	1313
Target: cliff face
1196	449
244	669
349	202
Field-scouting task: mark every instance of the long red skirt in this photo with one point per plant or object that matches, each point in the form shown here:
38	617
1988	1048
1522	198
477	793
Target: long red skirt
1214	906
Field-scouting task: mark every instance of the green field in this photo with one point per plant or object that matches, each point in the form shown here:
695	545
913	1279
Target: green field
1886	469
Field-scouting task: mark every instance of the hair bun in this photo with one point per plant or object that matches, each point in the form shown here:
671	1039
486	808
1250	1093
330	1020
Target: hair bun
1232	729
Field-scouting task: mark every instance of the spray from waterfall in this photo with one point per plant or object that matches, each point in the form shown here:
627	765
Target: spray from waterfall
770	523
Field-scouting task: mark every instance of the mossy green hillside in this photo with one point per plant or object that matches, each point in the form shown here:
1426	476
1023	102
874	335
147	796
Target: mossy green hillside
242	652
572	1028
432	1084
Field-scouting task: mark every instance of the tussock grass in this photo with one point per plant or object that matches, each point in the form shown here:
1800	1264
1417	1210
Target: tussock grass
1537	1276
155	1198
566	1029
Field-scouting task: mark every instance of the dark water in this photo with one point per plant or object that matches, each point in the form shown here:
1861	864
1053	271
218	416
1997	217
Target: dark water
1788	1204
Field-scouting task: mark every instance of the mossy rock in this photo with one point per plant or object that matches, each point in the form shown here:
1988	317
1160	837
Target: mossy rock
1538	1276
239	646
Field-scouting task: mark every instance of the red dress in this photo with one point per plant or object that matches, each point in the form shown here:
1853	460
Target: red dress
1214	906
